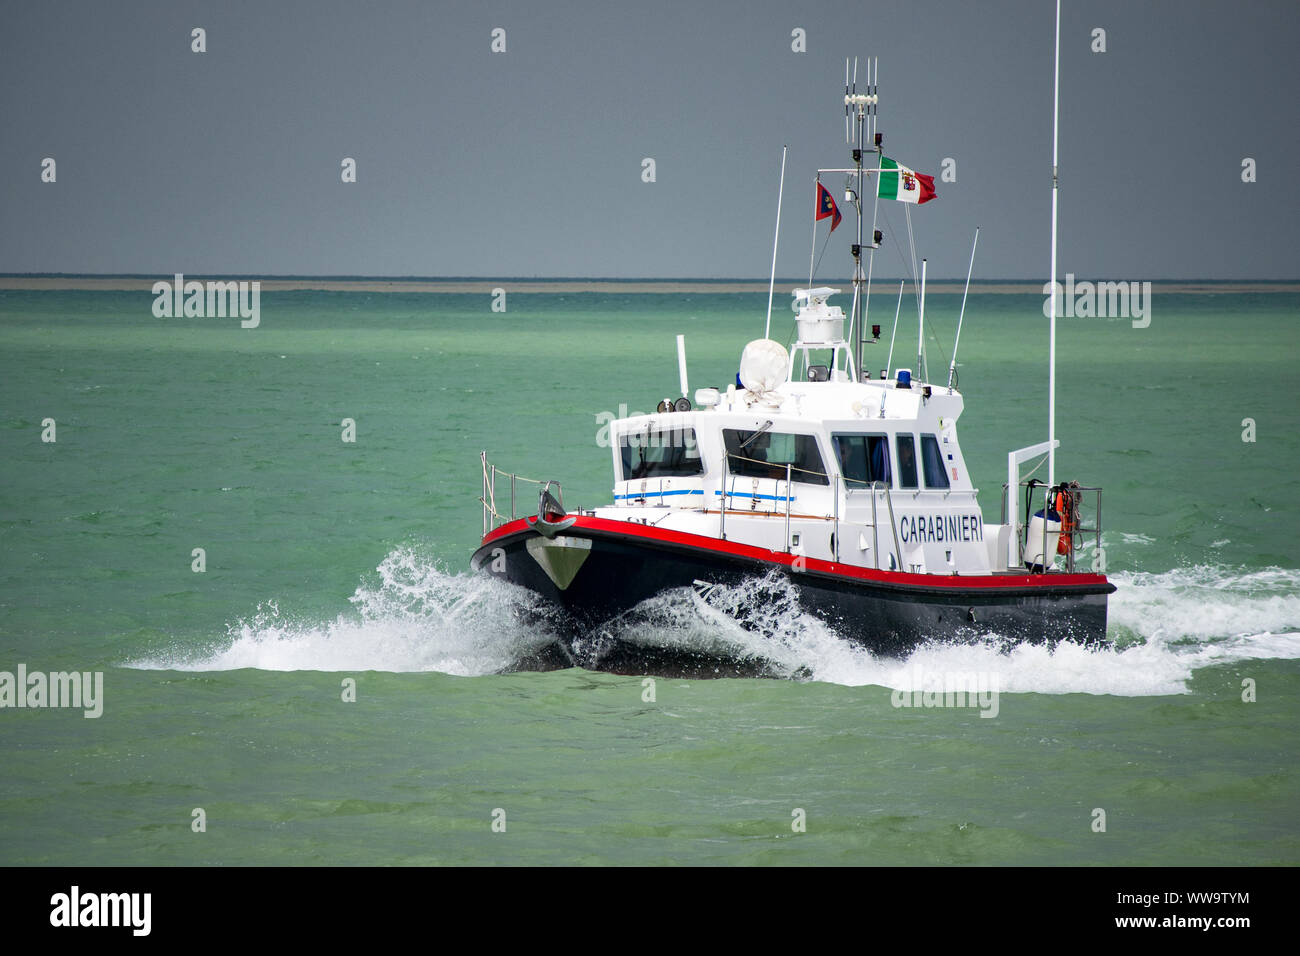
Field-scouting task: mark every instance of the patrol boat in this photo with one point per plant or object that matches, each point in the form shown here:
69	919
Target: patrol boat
850	488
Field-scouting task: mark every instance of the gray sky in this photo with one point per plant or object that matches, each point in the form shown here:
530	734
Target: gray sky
528	163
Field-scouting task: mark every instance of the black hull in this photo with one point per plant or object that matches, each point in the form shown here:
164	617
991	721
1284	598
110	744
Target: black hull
890	614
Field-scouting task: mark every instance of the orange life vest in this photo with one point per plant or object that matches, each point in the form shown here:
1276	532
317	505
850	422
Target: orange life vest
1065	508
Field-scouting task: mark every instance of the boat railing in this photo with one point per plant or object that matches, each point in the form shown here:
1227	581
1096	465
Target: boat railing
1076	533
494	516
836	483
491	516
726	492
790	468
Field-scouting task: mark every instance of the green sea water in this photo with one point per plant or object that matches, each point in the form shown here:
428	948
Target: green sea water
328	560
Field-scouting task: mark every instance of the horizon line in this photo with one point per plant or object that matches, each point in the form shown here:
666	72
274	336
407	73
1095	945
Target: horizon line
358	277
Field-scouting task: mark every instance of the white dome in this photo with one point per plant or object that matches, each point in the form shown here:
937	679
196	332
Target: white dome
763	366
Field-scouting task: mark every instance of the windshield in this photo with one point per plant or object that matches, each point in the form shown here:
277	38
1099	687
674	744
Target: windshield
660	454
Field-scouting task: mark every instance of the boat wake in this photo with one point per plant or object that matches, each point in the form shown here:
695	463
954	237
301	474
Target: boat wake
416	616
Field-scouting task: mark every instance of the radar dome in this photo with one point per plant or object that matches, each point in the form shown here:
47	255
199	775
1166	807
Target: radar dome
764	366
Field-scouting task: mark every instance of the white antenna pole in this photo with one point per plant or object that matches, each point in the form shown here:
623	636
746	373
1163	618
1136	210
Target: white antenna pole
873	67
897	309
920	327
848	133
875	94
1051	375
681	362
952	368
772	286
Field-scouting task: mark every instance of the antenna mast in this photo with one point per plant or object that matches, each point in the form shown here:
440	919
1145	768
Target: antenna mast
767	329
875	199
860	111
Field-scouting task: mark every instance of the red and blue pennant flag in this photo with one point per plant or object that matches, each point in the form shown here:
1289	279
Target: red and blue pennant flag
826	206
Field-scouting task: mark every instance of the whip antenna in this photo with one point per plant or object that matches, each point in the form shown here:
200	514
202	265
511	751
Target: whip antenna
848	135
775	239
952	369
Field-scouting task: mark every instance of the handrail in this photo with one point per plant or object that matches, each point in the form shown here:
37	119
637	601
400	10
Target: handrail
788	496
489	498
875	535
722	505
893	524
1047	513
835	533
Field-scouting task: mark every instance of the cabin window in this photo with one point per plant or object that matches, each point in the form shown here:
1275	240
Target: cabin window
765	455
936	475
906	461
668	453
863	459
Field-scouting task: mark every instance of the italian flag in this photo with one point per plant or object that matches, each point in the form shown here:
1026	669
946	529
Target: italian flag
905	185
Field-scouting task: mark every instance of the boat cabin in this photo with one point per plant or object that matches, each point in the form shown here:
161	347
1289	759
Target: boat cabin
862	472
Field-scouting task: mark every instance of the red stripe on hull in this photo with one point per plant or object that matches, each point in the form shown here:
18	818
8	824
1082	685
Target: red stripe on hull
629	529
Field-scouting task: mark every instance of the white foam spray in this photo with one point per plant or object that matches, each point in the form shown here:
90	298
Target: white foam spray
419	617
